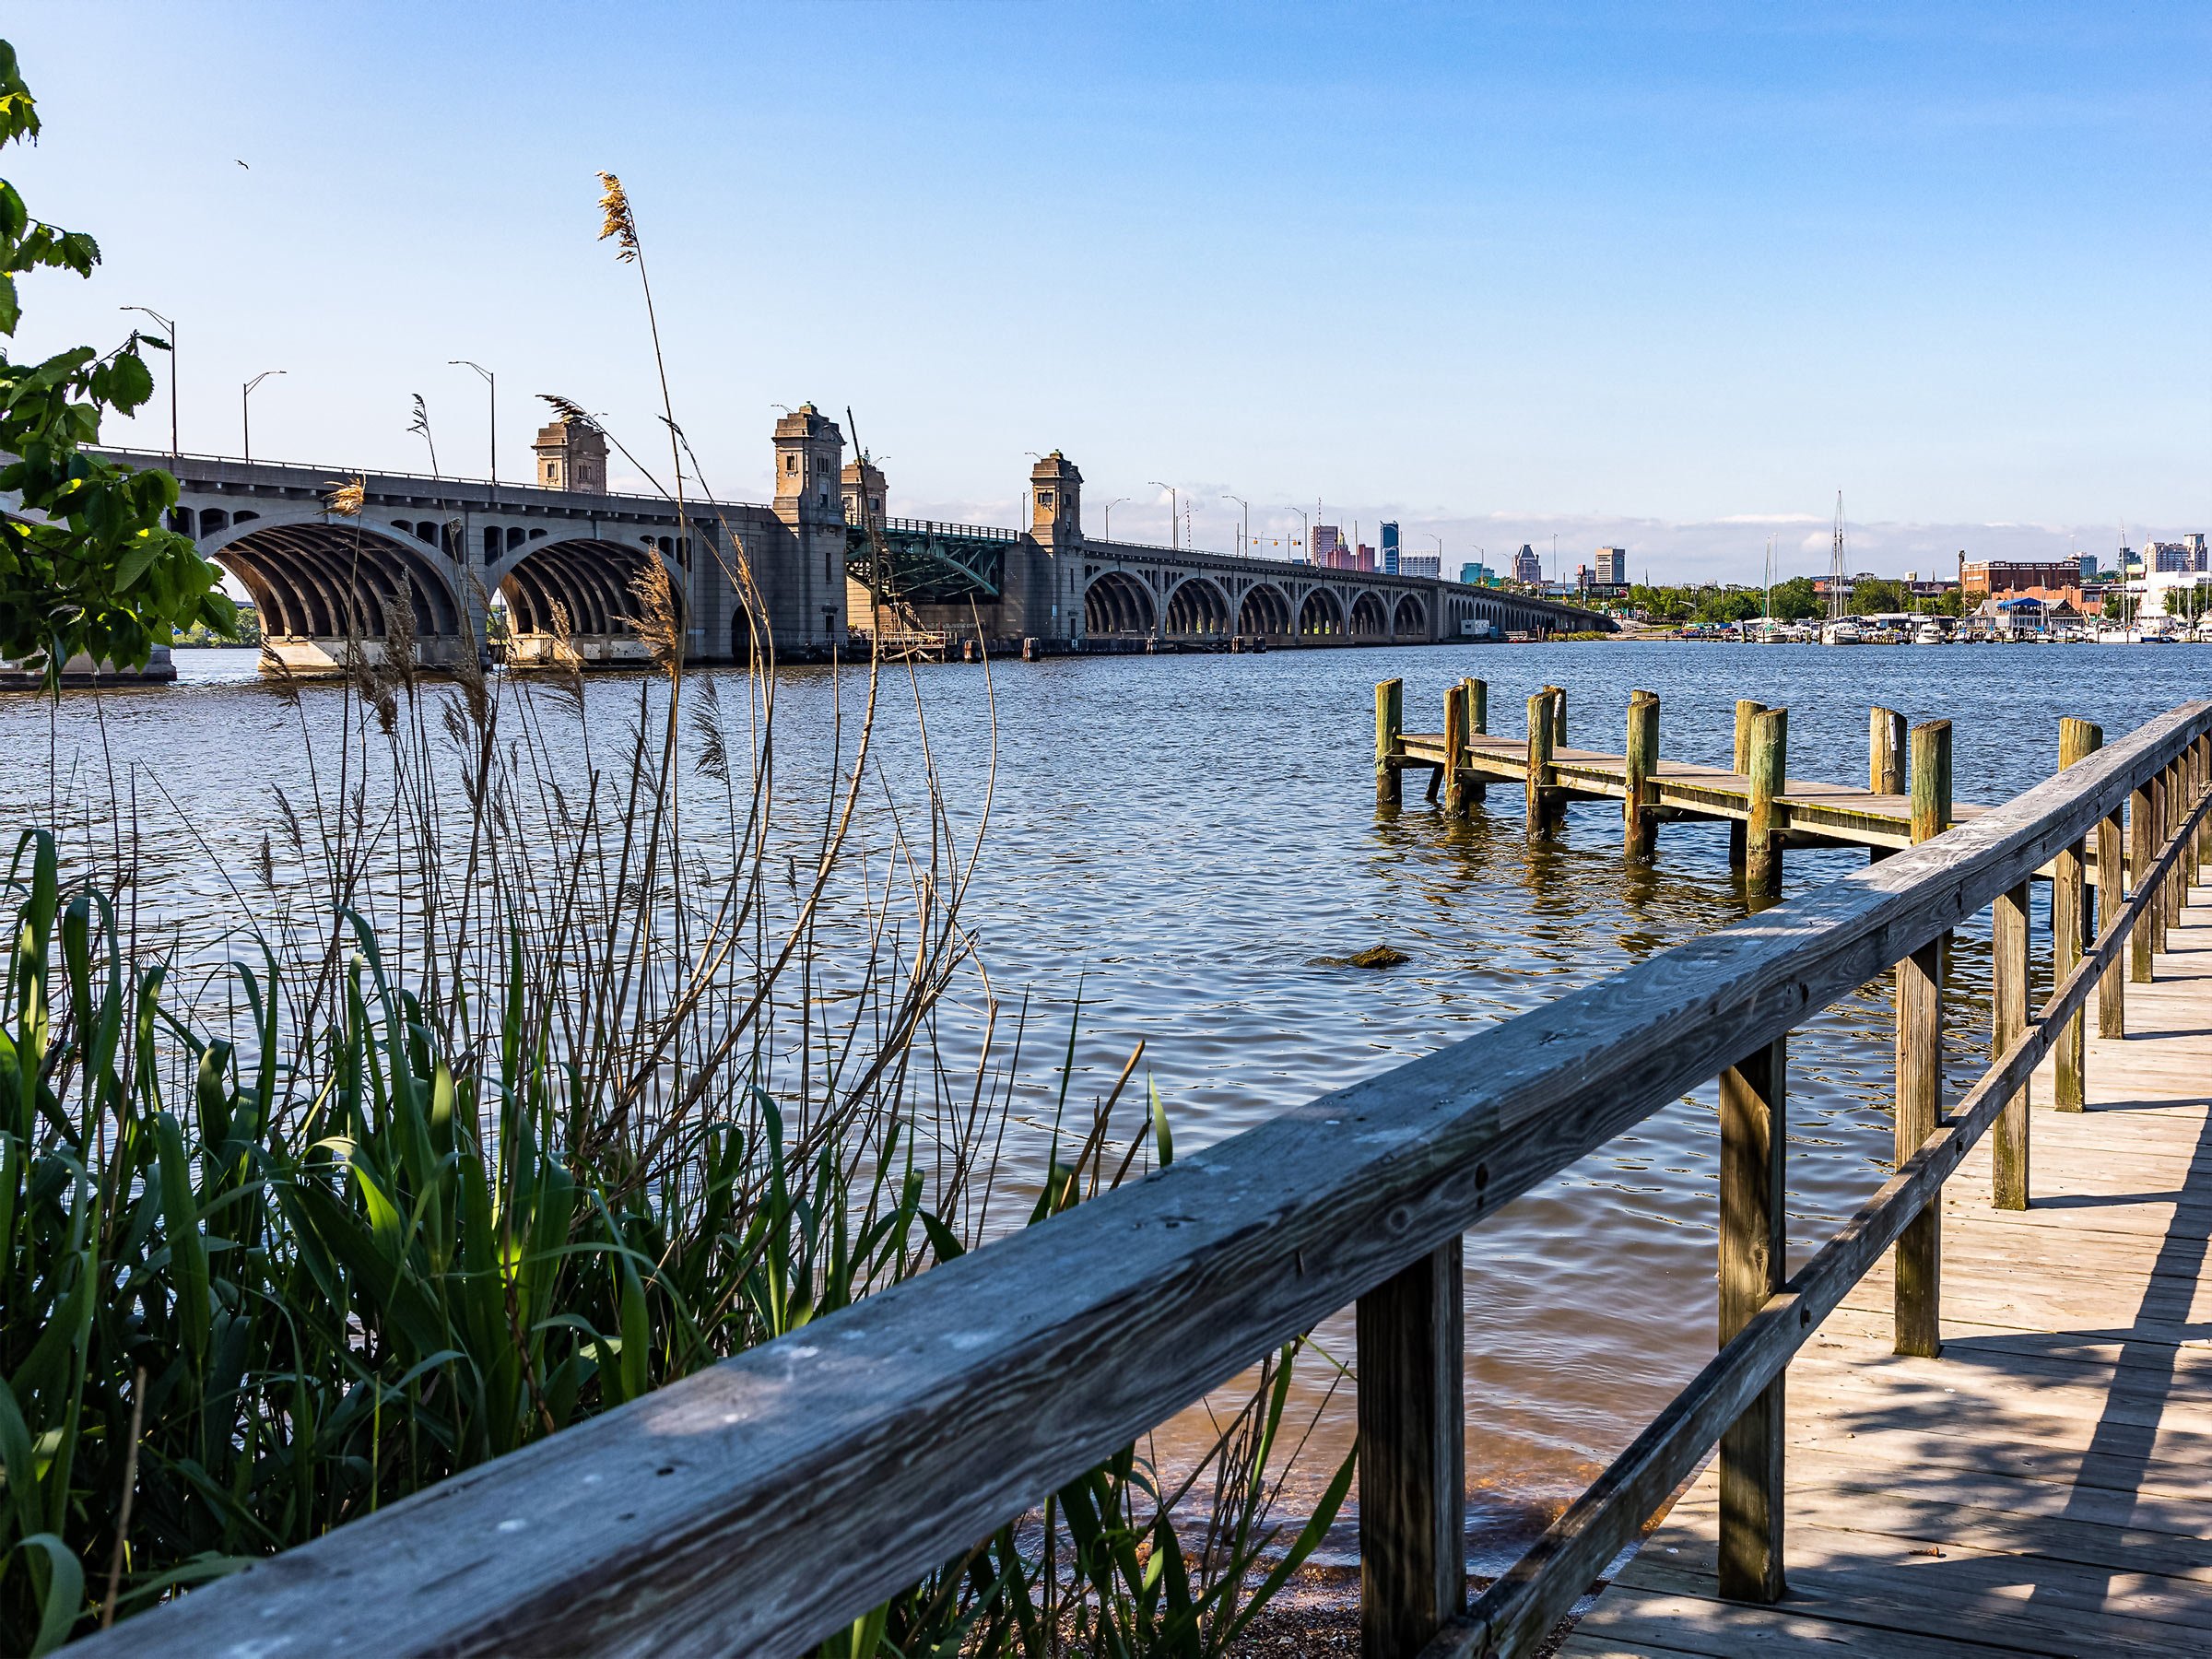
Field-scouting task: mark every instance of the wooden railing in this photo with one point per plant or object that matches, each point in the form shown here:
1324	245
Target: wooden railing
760	1506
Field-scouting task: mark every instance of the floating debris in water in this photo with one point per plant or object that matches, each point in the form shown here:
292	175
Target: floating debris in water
1374	956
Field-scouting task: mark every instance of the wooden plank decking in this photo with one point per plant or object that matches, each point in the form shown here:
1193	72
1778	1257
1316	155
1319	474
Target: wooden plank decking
1811	810
2042	1486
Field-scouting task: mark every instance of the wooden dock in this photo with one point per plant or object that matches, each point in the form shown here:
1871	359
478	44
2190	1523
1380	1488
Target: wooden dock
1767	810
2041	1487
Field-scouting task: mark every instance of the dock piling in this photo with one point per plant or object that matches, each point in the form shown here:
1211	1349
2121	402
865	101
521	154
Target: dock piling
2078	740
1478	724
1390	742
1639	828
1886	751
1455	750
1541	729
1767	770
1746	711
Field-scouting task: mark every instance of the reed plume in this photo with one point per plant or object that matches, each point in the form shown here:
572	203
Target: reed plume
345	497
616	220
658	621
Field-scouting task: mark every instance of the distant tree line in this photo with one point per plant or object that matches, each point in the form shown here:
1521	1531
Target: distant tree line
1794	601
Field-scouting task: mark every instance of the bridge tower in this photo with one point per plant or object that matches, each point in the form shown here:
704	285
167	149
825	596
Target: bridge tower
571	455
809	577
1052	597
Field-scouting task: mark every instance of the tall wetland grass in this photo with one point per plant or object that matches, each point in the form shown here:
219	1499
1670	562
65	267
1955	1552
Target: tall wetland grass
530	1068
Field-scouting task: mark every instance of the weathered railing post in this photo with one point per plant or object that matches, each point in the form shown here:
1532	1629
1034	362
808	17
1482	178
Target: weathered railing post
2162	826
1478	725
1639	828
2009	1000
1541	734
1390	742
2174	888
2112	896
2203	830
1768	771
1559	715
1412	1456
1739	840
2142	847
1455	745
1754	1263
1919	1291
2078	740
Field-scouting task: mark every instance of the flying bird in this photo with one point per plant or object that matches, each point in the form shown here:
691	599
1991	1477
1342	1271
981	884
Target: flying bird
242	164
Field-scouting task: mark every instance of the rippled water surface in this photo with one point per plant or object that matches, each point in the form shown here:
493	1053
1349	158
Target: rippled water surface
1183	835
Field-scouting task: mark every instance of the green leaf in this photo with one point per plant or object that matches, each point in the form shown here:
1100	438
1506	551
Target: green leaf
63	1601
133	563
131	384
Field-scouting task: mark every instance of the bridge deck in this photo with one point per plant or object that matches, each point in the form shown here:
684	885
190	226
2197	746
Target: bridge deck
2041	1488
1812	811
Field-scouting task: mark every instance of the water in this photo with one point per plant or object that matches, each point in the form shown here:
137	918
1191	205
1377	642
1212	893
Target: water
1182	835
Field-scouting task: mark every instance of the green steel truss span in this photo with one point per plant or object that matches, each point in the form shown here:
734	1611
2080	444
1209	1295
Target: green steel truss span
925	562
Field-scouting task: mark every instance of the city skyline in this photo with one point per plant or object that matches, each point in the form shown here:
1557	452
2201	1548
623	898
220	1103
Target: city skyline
1663	280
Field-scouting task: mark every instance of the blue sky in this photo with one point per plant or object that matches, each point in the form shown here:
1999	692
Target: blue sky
1671	276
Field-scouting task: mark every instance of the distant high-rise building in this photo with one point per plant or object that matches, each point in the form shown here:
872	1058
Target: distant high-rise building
1612	567
2169	556
1420	564
2089	566
1326	540
1474	575
1390	546
2197	552
1527	567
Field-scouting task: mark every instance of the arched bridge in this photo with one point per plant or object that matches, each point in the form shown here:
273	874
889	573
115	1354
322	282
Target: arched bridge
429	559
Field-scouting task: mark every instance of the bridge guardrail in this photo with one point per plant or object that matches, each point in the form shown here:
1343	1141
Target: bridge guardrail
352	470
763	1505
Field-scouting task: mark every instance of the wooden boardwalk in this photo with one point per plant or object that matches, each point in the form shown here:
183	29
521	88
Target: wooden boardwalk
2042	1486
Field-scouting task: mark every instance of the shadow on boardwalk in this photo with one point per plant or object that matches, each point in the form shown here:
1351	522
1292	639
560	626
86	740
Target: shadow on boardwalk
2042	1486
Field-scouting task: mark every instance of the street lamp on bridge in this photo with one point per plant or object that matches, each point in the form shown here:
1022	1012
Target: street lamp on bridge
491	380
1305	529
1117	501
1439	540
245	409
1174	514
170	340
1243	536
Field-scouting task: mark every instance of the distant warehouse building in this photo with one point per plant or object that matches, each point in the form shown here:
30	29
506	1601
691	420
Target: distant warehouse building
2057	581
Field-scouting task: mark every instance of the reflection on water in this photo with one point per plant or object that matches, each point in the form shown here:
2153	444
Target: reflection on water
1183	835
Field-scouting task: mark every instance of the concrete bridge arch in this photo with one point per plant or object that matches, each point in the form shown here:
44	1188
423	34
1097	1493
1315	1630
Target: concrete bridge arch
1116	604
1409	619
319	581
581	589
1264	610
1369	622
1197	607
1321	612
